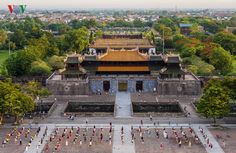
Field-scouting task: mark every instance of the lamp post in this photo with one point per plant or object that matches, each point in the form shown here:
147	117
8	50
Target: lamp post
41	104
9	44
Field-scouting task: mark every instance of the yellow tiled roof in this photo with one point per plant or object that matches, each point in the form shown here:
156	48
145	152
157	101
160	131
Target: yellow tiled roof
122	68
121	43
132	56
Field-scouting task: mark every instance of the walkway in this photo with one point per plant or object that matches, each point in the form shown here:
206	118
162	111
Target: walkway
127	146
36	141
216	147
123	105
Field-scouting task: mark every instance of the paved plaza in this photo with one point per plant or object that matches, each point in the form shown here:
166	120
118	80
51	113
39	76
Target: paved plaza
186	134
16	139
80	140
178	140
225	137
73	139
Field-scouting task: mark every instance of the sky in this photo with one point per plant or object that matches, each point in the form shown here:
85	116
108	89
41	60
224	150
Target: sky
89	4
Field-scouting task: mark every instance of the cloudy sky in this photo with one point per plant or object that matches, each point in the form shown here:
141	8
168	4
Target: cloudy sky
74	4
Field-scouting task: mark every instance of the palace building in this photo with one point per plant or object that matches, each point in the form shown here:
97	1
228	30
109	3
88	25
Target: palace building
123	63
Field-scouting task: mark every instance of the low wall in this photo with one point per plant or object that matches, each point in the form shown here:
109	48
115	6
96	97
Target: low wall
160	109
96	84
67	87
90	109
179	87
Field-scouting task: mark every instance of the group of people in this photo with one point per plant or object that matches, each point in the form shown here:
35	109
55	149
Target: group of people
20	136
207	140
180	135
40	141
71	136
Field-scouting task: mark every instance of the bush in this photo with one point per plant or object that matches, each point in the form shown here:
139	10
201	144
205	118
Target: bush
187	52
198	66
56	62
40	68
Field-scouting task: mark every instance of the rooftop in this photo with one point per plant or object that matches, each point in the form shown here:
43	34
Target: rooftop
121	43
173	59
72	59
123	55
183	25
123	69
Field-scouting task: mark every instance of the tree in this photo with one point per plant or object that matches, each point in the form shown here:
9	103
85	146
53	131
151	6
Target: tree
5	88
150	36
221	60
19	63
78	39
56	62
19	38
99	34
234	32
59	27
3	37
227	41
138	23
34	89
13	101
188	51
18	104
198	66
230	83
40	68
215	102
44	46
167	30
211	25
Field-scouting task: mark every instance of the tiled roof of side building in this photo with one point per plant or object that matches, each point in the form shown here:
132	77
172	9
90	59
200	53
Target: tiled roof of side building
90	58
156	58
72	59
125	55
182	25
173	59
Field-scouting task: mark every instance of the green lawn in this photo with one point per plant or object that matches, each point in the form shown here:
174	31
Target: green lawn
3	56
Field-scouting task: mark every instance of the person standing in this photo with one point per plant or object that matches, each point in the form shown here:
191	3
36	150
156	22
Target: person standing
66	142
180	143
161	146
90	142
150	117
223	143
26	148
189	144
20	141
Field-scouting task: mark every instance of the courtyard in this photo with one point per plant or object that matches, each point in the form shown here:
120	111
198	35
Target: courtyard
80	140
16	139
152	143
225	137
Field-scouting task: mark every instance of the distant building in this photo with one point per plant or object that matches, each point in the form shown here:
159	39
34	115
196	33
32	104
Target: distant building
123	63
185	29
230	29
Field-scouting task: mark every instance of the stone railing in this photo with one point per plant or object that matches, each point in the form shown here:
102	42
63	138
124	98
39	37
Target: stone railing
51	110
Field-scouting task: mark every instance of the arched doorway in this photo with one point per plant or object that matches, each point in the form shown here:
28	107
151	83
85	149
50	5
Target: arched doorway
106	86
139	86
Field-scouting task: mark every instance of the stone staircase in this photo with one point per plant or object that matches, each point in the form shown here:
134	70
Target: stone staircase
123	105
